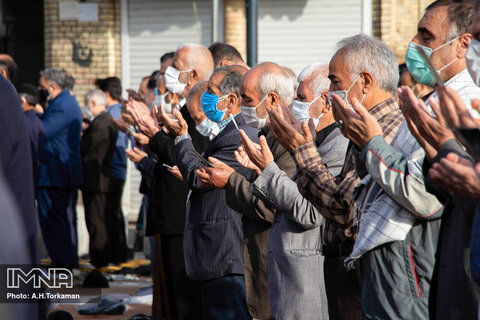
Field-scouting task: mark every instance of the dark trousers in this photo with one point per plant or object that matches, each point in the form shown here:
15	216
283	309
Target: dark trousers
224	298
183	293
57	217
115	222
343	290
95	205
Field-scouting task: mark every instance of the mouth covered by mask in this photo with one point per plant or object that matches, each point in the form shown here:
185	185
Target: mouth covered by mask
251	118
160	100
87	113
209	106
472	58
343	94
207	127
171	80
417	67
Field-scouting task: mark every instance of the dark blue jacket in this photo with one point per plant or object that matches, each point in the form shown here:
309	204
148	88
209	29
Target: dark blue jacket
61	164
119	162
37	140
213	236
16	164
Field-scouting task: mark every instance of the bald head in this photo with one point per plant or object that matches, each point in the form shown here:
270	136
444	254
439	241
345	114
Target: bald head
195	63
269	77
8	67
194	102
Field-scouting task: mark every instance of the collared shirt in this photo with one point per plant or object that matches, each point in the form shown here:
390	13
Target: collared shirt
333	196
223	124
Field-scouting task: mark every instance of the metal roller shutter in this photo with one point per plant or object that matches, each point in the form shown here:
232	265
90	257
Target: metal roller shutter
296	33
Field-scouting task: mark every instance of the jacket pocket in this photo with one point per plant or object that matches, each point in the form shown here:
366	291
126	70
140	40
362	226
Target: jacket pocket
412	263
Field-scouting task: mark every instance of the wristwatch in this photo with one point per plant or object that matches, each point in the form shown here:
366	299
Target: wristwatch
182	137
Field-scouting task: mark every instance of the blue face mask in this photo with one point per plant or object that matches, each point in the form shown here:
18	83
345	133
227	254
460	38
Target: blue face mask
417	67
209	106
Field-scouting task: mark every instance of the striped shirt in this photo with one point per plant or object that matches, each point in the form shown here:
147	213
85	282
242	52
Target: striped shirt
333	195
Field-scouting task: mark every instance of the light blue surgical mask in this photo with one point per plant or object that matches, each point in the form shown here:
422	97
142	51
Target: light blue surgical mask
417	67
207	127
209	106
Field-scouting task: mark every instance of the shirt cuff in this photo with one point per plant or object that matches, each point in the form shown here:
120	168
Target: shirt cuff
182	137
305	155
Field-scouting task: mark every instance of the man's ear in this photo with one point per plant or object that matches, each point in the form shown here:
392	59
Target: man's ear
274	99
324	99
232	100
367	82
192	77
3	72
464	41
226	62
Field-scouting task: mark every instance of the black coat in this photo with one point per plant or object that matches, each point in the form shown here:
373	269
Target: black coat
168	194
96	148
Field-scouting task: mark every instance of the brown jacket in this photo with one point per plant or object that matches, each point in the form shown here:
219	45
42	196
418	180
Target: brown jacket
257	220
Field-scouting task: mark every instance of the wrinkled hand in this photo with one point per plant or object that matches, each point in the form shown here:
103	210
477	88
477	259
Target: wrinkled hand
140	139
260	155
176	173
454	111
242	158
359	126
142	118
405	100
215	177
286	129
176	127
135	154
457	175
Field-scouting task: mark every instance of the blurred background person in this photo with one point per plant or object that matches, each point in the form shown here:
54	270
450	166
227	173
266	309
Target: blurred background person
97	147
61	170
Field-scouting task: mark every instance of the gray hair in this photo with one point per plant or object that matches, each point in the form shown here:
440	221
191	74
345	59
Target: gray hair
56	76
96	95
276	82
318	72
231	83
199	58
365	53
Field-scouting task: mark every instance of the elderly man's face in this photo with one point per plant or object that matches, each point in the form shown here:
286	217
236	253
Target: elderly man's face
432	32
179	62
305	94
194	106
162	89
250	97
340	78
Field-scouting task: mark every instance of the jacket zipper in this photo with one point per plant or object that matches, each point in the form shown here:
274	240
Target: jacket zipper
414	271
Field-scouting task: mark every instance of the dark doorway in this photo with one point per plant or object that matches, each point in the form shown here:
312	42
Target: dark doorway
22	37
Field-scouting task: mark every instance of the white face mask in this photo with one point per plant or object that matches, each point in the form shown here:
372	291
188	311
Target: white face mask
160	100
251	118
171	80
301	110
207	128
472	58
343	94
87	112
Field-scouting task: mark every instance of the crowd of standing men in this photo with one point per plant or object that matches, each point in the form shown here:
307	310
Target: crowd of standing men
349	192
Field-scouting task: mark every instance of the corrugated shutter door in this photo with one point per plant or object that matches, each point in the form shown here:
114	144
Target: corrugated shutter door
156	27
296	33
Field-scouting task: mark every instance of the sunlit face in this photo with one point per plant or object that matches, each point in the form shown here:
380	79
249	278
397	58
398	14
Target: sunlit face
251	97
432	32
340	78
